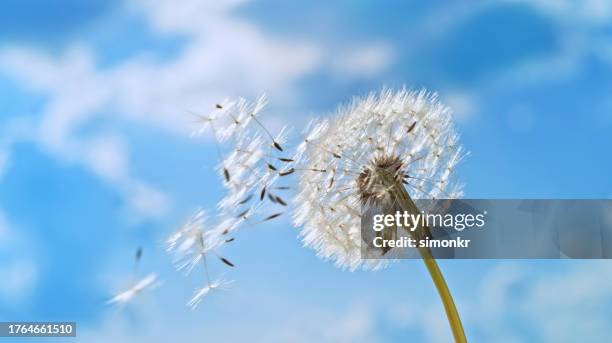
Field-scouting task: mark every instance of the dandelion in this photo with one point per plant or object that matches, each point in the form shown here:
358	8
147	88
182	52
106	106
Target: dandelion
378	154
126	296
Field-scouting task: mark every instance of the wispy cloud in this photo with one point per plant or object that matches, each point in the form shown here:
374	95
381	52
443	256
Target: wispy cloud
19	270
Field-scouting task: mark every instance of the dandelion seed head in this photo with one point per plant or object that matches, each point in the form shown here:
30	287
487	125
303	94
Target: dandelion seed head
387	138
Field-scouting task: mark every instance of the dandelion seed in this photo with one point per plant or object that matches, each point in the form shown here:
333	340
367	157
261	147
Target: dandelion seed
243	213
192	242
242	202
124	297
138	254
272	197
275	215
200	293
226	261
277	146
287	172
186	235
280	200
411	127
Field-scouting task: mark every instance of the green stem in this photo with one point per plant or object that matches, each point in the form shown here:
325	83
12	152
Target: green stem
447	299
406	203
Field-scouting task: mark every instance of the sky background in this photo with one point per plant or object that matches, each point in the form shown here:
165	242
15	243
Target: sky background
96	159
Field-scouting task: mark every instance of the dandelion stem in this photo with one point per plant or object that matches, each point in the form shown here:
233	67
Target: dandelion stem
407	204
447	299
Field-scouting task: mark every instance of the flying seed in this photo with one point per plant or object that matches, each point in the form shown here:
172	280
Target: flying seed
280	201
246	200
289	171
411	127
286	159
277	146
226	174
226	261
262	194
275	215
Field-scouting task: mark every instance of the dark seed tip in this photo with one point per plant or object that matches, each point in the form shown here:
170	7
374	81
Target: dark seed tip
226	261
287	172
277	146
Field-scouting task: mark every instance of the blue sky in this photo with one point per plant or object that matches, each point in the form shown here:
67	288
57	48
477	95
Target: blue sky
96	159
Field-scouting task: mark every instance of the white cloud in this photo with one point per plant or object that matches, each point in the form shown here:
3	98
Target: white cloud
146	202
106	156
4	227
18	270
157	322
357	324
13	129
19	278
362	61
4	160
573	306
565	304
594	12
578	30
464	104
225	55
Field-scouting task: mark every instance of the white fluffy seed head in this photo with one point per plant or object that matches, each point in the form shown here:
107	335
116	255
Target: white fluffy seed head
405	136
